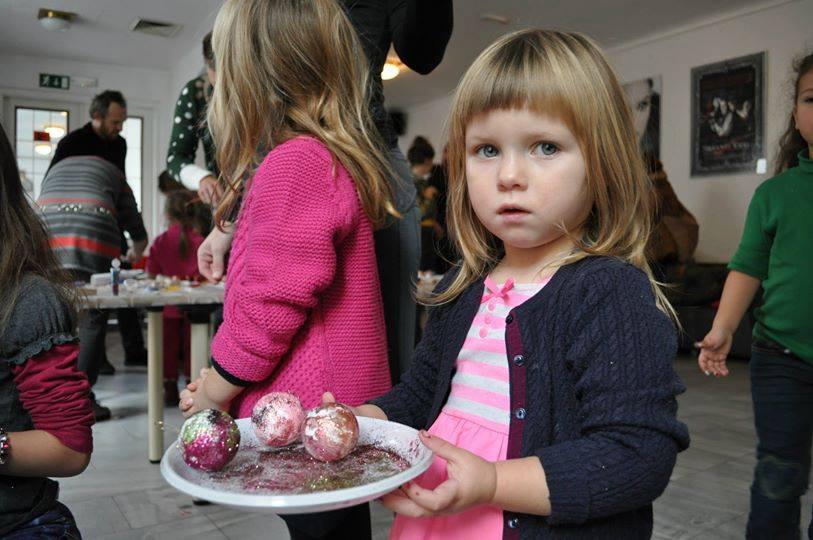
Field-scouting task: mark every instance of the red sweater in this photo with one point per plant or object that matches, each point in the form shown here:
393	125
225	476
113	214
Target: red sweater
302	309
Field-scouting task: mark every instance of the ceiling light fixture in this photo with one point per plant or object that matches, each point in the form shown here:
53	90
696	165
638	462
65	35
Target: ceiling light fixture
392	68
390	71
42	143
54	20
54	130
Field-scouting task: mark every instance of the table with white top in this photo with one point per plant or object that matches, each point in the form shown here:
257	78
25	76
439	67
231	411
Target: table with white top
198	303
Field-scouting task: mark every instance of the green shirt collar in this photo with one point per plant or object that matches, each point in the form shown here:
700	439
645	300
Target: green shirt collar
805	163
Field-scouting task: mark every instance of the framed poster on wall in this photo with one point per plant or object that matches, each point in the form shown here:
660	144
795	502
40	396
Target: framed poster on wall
727	115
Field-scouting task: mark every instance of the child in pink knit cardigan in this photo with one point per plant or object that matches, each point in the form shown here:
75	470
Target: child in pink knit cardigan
302	309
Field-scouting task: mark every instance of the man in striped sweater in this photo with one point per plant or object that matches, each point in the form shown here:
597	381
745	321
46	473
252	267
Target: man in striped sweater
87	205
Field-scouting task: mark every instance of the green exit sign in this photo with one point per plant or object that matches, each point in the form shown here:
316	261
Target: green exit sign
60	82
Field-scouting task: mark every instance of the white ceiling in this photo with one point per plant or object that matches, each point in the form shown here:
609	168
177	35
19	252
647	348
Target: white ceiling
102	33
610	22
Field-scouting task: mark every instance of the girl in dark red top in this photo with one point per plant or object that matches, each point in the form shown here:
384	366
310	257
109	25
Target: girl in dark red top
45	414
174	254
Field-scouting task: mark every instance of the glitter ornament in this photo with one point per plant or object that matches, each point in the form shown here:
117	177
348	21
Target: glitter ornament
330	432
209	440
277	419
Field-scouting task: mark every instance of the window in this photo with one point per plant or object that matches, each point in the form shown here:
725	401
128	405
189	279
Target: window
132	133
34	153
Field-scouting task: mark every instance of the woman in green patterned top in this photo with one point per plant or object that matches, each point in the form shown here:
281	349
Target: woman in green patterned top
189	127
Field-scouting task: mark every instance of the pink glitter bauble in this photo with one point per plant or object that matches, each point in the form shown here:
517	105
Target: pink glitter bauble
209	440
277	419
330	432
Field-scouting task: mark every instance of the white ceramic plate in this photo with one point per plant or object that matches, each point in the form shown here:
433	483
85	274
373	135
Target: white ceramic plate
398	438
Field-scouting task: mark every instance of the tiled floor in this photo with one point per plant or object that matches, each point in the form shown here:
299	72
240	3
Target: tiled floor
123	496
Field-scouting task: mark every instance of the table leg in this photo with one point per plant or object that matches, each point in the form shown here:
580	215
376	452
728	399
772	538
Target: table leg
199	317
155	379
199	348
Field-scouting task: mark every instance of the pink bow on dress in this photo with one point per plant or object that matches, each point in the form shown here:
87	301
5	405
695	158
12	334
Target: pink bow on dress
497	292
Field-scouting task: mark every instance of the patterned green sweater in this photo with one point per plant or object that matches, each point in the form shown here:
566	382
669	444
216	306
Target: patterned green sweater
188	128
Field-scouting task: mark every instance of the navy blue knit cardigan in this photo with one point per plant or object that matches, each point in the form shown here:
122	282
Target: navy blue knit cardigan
592	395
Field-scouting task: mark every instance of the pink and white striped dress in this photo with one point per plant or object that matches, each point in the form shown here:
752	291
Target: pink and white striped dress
476	416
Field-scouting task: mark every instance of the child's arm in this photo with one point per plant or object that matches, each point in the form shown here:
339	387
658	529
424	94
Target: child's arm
209	391
212	252
619	350
38	453
749	267
738	293
54	393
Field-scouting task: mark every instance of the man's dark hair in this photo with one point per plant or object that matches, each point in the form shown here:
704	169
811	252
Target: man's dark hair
101	102
208	53
420	151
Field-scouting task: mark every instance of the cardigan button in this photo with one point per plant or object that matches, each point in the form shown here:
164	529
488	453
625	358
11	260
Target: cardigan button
513	523
520	413
509	319
519	360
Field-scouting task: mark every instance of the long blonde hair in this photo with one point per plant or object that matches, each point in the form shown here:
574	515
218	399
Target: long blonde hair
287	68
564	75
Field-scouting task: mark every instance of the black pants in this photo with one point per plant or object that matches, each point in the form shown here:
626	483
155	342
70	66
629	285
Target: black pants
132	339
92	332
782	390
347	523
398	252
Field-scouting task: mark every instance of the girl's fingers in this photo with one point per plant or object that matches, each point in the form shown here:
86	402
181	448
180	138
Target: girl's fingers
436	500
400	504
327	397
442	448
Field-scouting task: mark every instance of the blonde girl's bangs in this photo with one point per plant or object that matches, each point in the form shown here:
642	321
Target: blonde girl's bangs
564	76
513	78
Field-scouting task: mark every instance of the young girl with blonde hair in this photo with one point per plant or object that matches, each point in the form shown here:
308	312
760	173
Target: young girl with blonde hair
545	374
302	309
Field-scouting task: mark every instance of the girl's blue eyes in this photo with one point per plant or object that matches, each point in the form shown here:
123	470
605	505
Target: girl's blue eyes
548	149
490	151
487	151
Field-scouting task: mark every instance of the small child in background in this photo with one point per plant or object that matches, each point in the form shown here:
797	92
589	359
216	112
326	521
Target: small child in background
174	253
775	255
45	414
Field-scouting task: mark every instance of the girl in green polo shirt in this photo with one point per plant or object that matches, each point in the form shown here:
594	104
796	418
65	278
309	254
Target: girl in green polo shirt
776	252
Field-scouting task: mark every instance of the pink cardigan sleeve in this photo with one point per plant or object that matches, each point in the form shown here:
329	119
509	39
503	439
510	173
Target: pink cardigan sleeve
283	257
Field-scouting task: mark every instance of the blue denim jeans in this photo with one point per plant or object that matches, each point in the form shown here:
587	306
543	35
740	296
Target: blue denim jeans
782	390
56	523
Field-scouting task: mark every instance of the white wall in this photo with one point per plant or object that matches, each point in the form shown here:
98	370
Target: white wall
147	92
720	203
429	120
